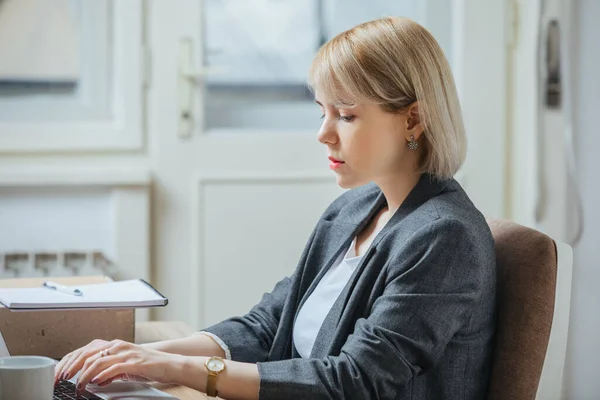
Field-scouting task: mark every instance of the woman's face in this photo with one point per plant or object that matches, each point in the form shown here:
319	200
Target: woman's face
365	143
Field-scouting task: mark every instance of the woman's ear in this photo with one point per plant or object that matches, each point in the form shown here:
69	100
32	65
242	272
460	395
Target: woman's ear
414	124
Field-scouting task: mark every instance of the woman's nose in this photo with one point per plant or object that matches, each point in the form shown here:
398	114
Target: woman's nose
327	133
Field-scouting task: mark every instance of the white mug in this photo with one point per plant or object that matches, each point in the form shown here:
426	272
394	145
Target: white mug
26	378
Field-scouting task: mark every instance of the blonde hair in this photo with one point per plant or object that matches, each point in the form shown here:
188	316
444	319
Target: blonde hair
394	62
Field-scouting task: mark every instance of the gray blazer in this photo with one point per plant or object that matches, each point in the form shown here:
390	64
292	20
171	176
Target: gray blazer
415	321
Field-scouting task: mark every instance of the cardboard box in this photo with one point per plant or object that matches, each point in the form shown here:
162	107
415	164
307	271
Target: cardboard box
55	333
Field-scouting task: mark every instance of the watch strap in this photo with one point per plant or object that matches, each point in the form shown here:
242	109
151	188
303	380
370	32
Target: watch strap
211	385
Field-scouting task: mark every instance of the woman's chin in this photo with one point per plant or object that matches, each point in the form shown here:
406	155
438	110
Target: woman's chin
346	182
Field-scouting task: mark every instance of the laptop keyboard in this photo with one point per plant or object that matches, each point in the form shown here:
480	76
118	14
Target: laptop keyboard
65	390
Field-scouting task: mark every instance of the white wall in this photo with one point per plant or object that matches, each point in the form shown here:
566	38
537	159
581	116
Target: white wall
584	342
42	219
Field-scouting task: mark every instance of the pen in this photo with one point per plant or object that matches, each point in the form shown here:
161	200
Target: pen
62	288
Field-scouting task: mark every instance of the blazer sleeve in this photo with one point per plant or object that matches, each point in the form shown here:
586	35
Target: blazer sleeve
431	287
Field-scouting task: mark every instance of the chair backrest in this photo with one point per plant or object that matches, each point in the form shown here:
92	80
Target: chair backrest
533	291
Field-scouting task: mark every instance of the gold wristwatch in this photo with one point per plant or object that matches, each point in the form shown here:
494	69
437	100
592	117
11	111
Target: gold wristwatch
214	365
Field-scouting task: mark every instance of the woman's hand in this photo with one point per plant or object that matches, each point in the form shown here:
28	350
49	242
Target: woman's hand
101	362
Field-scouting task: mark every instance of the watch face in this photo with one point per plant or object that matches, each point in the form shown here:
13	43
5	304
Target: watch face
215	365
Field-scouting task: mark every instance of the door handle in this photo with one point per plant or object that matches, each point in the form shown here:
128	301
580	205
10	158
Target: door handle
186	87
190	80
554	93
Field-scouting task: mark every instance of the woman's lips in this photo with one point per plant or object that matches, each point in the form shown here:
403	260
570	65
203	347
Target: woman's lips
335	163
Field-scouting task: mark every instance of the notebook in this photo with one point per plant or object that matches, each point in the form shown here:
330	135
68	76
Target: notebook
135	293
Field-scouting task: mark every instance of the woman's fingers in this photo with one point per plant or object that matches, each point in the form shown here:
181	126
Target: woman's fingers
72	362
103	369
108	382
91	360
123	360
113	372
77	362
68	360
59	368
122	377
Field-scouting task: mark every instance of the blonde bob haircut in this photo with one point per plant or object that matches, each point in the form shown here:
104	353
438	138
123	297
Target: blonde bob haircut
394	62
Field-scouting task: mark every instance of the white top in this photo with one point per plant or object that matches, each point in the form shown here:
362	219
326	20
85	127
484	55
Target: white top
319	303
317	306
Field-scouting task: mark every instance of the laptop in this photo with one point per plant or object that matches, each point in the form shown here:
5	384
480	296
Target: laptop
65	390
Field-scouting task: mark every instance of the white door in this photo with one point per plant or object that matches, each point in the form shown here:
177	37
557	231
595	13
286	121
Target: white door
240	178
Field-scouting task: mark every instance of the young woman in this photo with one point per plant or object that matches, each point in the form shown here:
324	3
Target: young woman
394	295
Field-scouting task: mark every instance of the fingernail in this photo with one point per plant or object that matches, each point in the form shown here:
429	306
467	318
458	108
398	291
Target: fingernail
93	381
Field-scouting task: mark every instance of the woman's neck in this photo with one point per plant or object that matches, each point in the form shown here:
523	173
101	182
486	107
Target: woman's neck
396	189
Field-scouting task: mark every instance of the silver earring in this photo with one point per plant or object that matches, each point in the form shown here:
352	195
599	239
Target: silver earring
412	144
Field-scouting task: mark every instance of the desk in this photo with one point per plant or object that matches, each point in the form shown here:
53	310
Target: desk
147	332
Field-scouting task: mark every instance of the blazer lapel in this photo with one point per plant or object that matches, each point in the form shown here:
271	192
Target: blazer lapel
333	238
426	188
328	330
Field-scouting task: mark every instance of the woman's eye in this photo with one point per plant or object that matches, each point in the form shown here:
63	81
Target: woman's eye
347	118
322	116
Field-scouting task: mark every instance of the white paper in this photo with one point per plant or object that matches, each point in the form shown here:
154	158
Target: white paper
132	293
